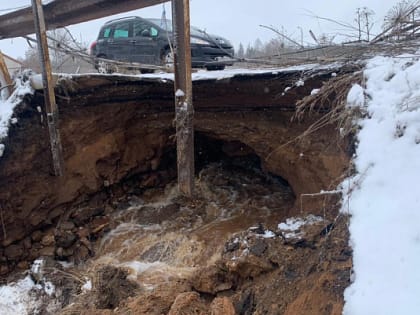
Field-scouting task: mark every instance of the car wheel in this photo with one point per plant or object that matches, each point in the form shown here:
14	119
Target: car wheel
105	67
168	60
214	68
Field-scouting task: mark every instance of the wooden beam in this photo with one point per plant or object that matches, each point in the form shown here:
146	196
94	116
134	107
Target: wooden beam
5	80
49	96
61	13
183	97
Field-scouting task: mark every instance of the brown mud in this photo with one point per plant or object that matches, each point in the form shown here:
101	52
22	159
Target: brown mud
117	218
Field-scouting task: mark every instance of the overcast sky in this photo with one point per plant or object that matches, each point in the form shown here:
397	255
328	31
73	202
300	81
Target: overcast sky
237	20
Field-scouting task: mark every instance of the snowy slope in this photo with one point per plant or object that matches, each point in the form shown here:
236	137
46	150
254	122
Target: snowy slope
7	106
384	197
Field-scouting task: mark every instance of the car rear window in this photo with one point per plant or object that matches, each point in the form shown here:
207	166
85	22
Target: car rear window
105	32
121	30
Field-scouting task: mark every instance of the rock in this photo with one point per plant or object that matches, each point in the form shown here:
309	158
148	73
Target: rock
188	303
23	265
83	232
27	243
47	251
59	252
258	248
14	252
4	269
64	252
211	280
99	224
245	302
154	164
249	266
67	225
65	239
150	181
156	215
48	240
83	215
232	245
80	254
111	287
222	306
36	236
157	301
68	252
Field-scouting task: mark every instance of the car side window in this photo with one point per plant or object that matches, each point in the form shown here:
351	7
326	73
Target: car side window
105	32
121	30
142	28
153	32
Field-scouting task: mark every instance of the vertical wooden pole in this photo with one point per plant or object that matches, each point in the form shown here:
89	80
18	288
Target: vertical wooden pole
5	79
183	96
47	79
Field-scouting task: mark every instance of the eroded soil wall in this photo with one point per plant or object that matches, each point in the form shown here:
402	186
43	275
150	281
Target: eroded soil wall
116	128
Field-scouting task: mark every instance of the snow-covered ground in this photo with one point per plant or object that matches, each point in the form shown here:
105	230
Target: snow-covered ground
384	197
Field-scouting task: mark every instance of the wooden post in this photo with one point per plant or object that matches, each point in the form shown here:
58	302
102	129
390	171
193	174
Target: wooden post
5	79
184	111
47	79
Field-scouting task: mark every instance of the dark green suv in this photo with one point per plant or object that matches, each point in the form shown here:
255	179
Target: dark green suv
146	41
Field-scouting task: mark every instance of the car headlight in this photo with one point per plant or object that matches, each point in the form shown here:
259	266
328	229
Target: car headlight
198	41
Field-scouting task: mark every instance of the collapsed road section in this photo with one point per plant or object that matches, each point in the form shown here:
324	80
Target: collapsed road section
118	145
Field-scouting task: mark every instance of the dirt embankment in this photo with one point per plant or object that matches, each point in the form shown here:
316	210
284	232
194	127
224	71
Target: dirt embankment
118	144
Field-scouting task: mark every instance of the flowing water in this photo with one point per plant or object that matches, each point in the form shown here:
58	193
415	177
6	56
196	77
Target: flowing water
162	235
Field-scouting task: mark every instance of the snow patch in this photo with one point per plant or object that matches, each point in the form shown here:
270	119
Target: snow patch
22	88
356	96
300	82
87	286
268	234
291	227
383	198
15	298
315	91
49	288
179	93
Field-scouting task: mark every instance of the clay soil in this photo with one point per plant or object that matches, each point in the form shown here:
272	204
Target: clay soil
115	220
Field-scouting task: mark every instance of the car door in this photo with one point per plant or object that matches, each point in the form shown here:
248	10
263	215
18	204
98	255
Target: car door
120	42
145	43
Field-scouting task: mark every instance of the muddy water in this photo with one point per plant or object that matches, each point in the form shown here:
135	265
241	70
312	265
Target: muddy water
162	235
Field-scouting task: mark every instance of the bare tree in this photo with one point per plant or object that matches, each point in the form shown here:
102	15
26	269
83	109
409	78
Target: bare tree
367	18
402	21
61	42
358	21
241	51
364	22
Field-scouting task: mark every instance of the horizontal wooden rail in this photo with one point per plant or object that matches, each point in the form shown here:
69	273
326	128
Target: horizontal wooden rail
61	13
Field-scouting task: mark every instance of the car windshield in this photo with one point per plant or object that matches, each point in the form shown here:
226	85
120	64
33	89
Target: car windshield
166	24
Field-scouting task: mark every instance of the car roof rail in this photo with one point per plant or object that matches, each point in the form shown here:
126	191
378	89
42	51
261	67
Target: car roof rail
123	18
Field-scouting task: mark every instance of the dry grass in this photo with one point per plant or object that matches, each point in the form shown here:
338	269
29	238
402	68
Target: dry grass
330	100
